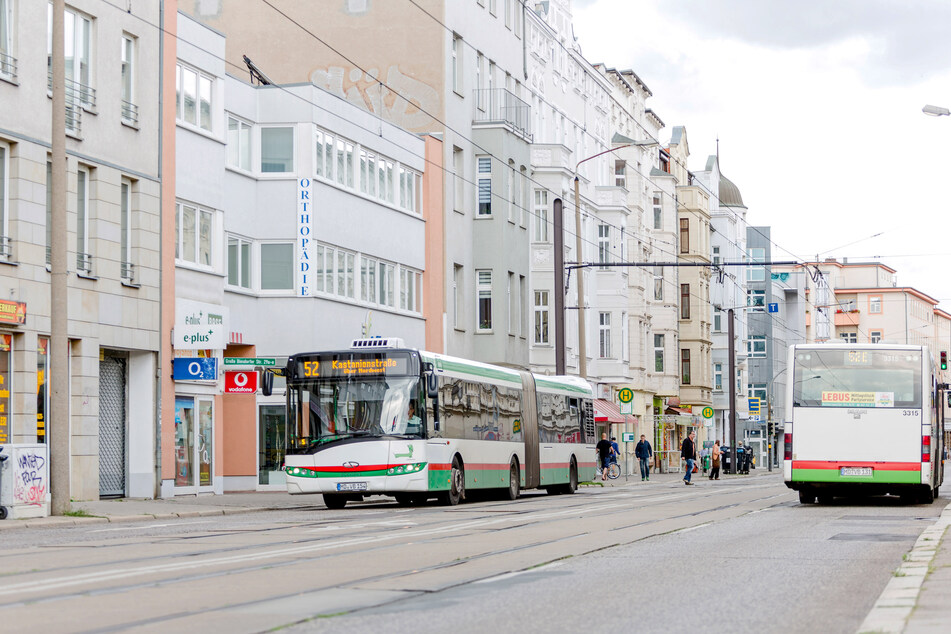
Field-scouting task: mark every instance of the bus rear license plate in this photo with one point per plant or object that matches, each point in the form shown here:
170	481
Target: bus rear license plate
865	472
351	486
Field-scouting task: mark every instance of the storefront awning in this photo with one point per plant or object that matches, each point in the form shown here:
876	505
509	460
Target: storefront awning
607	412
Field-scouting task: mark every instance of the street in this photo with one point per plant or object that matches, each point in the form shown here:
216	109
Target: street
740	552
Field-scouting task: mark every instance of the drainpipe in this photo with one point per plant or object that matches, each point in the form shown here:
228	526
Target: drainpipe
157	485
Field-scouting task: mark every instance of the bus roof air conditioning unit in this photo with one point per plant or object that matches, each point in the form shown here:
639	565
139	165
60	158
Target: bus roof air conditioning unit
378	342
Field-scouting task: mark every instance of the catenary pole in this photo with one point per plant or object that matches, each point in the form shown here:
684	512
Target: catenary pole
559	237
582	352
731	347
58	424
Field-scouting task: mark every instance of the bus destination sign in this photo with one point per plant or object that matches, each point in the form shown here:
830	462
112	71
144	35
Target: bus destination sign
332	366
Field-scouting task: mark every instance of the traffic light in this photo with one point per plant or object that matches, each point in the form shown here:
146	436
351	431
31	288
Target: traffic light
944	360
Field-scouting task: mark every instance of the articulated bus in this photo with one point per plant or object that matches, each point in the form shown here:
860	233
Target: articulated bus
382	419
863	420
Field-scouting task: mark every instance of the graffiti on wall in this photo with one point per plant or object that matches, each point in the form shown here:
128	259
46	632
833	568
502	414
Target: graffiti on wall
30	475
406	105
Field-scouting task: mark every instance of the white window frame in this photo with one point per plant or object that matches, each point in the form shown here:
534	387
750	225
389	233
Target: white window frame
200	212
658	212
198	124
756	298
604	244
410	290
717	377
240	243
368	280
849	337
875	336
243	129
620	173
659	346
387	281
541	215
756	347
7	63
259	272
483	288
542	322
875	304
127	64
80	35
604	335
484	185
457	296
456	63
293	128
658	283
756	390
4	200
459	183
127	212
756	273
83	252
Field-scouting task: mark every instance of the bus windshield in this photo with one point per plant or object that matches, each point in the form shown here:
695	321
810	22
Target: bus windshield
857	378
336	408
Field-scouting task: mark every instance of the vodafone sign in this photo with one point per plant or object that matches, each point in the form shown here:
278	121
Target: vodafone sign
241	382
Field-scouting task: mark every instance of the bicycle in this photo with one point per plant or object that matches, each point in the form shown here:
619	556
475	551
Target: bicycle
614	469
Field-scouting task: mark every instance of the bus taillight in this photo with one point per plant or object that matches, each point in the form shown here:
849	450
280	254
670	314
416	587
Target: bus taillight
926	448
787	446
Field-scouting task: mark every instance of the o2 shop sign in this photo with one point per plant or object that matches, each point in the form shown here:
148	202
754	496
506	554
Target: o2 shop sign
241	382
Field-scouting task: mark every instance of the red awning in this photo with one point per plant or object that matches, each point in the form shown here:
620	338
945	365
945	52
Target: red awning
607	412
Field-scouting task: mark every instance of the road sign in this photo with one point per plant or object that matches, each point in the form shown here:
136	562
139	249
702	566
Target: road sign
627	409
707	412
195	369
241	382
773	307
627	436
626	395
756	418
264	362
754	405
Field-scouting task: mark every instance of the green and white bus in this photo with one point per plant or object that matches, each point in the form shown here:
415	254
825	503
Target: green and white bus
862	419
383	419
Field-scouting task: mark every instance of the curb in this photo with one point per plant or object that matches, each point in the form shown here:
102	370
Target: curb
890	613
69	521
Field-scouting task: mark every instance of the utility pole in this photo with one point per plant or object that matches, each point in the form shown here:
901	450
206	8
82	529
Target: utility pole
558	219
731	346
58	425
582	352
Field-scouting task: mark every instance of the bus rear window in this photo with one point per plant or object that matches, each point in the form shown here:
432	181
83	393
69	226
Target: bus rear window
857	378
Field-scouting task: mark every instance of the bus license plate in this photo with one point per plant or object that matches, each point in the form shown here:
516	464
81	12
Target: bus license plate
856	471
351	486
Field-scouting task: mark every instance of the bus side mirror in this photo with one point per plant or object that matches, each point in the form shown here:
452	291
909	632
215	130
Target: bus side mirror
432	386
267	383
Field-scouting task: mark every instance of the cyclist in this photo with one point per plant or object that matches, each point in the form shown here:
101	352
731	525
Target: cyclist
605	452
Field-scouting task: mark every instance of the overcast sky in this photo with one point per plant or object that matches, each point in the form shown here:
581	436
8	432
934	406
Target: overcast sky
817	105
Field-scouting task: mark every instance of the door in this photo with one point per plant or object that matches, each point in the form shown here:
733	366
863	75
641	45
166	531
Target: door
194	443
112	426
272	429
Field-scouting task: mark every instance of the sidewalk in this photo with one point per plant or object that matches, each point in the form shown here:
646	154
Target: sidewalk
137	510
917	600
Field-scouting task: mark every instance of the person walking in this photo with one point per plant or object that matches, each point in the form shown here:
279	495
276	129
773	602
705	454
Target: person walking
688	451
605	451
715	461
644	453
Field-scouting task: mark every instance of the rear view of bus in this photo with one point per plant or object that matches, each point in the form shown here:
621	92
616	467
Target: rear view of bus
862	421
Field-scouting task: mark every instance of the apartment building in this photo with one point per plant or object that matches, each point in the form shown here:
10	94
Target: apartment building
114	179
301	224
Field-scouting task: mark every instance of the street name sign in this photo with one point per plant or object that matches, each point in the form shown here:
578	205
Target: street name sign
264	362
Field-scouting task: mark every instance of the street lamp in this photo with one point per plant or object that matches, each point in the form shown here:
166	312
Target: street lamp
582	351
936	111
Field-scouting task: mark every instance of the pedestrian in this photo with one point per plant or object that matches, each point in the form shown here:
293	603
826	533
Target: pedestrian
715	464
644	453
605	451
688	451
617	450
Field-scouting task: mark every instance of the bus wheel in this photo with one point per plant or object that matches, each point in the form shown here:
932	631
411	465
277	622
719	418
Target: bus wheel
926	496
572	485
404	499
457	484
513	481
825	499
806	497
335	501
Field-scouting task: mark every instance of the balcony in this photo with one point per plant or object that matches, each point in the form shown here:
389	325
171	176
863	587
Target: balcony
608	196
499	106
850	318
78	97
8	67
130	113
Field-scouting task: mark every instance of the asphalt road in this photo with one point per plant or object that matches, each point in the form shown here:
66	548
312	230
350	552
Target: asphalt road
738	555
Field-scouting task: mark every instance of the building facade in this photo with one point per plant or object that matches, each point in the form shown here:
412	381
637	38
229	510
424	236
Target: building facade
113	128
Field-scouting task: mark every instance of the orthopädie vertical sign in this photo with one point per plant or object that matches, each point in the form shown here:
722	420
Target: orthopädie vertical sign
304	250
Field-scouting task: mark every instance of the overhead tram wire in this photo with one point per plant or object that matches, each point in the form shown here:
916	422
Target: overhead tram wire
527	210
584	130
456	132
